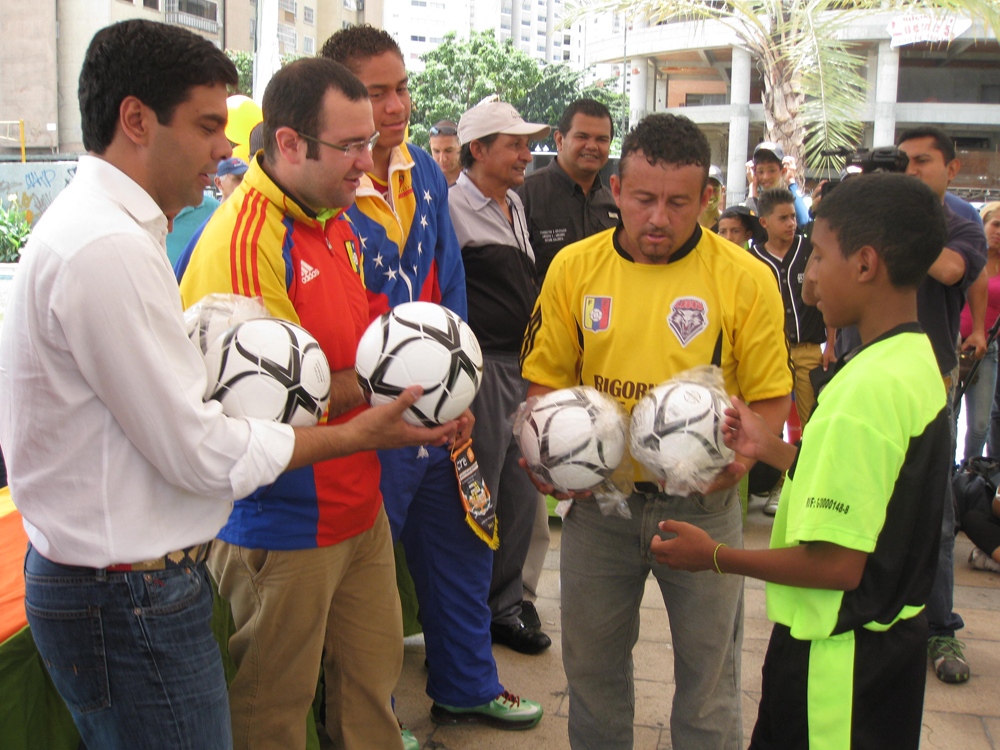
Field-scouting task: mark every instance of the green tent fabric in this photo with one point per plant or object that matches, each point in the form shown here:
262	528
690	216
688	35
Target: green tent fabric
407	593
32	715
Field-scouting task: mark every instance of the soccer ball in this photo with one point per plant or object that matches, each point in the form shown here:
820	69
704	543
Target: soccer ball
572	439
677	434
269	369
420	343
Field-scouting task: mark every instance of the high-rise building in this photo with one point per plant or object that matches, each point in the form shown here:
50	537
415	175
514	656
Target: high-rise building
419	26
44	46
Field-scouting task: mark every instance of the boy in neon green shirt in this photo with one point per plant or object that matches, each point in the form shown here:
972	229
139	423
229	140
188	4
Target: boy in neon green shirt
854	544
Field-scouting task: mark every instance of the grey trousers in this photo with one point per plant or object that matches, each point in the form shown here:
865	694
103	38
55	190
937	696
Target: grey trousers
501	391
605	562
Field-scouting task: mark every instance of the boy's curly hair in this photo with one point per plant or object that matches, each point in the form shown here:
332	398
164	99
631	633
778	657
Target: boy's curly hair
353	45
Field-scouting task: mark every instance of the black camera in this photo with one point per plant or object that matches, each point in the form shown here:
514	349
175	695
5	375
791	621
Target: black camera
882	159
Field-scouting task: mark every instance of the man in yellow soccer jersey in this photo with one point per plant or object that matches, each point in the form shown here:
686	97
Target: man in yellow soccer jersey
669	297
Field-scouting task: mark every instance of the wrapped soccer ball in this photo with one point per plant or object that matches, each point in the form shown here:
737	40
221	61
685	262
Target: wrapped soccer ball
420	343
676	433
269	369
572	439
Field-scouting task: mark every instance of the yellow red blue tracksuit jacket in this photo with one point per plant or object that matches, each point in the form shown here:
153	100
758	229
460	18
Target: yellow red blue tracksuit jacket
260	242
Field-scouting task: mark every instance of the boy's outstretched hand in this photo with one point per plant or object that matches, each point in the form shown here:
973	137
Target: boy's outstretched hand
745	431
692	549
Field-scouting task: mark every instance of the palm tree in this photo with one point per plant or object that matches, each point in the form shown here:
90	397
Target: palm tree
814	90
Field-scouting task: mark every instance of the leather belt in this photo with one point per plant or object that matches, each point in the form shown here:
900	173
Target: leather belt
647	488
183	558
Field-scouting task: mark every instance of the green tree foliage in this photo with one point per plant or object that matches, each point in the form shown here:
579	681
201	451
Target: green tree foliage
460	73
244	65
14	230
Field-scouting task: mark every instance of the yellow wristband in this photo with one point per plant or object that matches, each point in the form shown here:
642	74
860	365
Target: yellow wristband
715	557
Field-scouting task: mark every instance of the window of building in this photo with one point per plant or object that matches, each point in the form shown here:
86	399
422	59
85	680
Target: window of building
557	42
526	22
505	25
438	6
288	37
541	32
200	8
253	28
154	4
505	6
541	19
525	37
308	45
415	38
697	100
308	15
566	39
419	3
566	54
437	40
288	5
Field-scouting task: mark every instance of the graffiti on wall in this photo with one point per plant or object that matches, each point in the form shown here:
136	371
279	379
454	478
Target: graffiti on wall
35	185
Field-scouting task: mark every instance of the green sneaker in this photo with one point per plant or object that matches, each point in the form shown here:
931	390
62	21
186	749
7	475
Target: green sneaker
949	661
409	741
506	711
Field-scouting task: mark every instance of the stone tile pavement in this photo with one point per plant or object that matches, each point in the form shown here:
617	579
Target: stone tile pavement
956	717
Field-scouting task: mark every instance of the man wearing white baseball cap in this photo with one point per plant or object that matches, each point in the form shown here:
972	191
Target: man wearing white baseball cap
502	286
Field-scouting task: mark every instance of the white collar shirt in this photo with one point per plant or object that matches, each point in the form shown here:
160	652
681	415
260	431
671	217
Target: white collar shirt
113	456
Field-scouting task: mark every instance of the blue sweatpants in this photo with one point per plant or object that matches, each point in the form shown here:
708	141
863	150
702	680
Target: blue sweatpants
451	569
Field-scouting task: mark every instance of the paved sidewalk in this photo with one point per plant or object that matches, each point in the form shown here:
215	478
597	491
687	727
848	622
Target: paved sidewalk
956	717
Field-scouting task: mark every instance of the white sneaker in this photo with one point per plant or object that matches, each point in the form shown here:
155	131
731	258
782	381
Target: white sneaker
771	506
979	560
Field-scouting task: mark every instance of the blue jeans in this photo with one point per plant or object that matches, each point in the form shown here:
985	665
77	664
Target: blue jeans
605	562
132	654
977	401
942	620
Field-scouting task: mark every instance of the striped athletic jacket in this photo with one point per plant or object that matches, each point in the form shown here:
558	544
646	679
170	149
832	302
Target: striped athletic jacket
260	242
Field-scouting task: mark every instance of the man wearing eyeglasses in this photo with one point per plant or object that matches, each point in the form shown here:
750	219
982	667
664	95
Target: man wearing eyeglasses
306	563
445	148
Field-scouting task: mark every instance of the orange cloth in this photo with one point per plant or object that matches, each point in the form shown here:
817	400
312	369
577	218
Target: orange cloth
13	544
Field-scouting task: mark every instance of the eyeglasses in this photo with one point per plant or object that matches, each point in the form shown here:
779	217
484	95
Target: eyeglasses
353	149
444	130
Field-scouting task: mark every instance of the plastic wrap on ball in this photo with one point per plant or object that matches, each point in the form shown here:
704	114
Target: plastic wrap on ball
677	431
214	314
573	438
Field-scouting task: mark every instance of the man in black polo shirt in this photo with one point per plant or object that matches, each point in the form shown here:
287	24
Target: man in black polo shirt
566	201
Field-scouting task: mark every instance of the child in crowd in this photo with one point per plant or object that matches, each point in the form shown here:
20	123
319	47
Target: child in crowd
854	544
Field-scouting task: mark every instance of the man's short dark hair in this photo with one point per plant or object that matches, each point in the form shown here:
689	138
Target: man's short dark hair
465	157
294	99
588	107
354	45
899	216
771	199
671	139
156	63
942	141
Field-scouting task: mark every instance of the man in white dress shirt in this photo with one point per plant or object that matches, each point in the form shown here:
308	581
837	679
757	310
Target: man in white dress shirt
121	472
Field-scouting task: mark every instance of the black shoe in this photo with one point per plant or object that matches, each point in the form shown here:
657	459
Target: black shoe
529	616
520	638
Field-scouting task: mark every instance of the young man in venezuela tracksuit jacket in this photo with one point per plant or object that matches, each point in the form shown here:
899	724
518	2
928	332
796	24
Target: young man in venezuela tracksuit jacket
411	253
